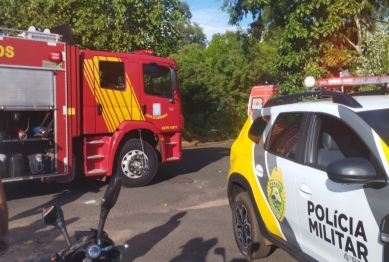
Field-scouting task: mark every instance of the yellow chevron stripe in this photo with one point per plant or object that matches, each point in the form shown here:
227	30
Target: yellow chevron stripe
108	105
133	103
88	67
112	96
122	104
118	105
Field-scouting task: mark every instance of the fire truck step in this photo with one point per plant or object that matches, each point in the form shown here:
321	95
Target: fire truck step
96	172
95	142
95	157
172	159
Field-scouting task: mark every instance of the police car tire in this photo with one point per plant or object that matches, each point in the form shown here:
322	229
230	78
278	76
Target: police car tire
257	247
135	144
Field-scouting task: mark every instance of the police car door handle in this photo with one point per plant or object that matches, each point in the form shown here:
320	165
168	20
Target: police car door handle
305	192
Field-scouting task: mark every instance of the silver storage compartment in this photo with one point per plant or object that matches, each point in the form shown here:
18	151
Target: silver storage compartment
26	88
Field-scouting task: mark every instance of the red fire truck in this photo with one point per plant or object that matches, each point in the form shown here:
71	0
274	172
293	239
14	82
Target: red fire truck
66	111
259	95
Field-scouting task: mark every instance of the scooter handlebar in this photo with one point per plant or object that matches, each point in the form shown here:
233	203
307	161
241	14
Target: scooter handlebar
117	247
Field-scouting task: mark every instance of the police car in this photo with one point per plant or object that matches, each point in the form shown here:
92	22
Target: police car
311	176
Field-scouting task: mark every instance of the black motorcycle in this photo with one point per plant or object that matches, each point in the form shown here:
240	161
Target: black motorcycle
94	245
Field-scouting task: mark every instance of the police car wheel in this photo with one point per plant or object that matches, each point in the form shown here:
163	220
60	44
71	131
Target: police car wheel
136	165
246	230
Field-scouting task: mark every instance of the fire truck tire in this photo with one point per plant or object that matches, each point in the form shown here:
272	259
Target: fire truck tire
246	230
135	166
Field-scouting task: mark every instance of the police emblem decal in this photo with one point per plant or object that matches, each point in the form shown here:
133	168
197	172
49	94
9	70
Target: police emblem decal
276	194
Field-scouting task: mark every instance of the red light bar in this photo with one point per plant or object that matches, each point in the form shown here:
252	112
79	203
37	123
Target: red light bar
55	56
143	52
352	81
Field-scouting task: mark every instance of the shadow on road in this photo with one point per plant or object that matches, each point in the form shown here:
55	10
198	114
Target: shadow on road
140	244
30	242
195	250
193	160
68	193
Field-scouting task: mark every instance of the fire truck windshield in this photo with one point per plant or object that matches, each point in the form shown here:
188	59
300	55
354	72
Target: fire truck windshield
379	121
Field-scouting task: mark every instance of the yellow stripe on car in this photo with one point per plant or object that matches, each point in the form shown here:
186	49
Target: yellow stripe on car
242	163
386	150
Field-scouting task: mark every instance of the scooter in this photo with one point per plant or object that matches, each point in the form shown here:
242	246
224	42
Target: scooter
95	245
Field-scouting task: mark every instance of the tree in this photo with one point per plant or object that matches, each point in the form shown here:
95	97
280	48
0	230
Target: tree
192	34
196	100
189	33
314	37
216	81
236	62
112	25
375	53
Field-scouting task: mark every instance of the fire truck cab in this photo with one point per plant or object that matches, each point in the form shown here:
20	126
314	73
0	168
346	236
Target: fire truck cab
66	111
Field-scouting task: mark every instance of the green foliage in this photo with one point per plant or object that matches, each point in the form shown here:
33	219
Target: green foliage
216	81
189	33
375	58
111	25
318	38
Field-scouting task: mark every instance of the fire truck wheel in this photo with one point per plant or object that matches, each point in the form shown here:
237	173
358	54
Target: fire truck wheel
137	166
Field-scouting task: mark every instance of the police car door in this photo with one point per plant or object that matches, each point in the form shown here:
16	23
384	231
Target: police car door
336	220
282	166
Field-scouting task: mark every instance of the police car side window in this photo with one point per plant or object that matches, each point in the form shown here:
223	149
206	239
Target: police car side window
334	140
284	134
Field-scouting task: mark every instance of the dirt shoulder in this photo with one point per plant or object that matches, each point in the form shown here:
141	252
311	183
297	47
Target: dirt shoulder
197	143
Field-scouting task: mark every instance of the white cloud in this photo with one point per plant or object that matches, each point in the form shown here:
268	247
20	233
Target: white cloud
212	21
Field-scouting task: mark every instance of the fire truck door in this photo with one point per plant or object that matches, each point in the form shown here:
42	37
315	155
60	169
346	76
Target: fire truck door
160	101
112	93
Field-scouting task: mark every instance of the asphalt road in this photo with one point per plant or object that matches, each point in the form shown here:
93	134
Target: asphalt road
182	216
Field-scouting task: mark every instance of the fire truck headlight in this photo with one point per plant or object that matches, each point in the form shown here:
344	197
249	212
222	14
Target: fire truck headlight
309	82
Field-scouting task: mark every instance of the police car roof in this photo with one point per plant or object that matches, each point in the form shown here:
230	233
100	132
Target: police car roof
368	103
372	102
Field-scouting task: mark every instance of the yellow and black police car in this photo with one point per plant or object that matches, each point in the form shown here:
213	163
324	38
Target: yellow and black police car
311	177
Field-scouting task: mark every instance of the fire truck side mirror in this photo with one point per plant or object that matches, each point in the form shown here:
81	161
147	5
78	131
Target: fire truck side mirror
174	78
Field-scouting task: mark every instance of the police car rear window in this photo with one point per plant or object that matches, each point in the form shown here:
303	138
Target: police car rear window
257	128
284	135
378	120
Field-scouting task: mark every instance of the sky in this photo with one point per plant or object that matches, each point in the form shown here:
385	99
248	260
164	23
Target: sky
209	16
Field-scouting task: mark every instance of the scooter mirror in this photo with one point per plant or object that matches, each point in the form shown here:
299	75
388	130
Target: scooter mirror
53	215
112	193
50	215
108	201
